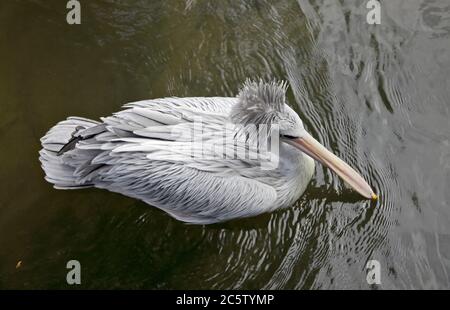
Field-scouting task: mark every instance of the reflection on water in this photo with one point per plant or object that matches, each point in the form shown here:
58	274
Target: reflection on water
377	95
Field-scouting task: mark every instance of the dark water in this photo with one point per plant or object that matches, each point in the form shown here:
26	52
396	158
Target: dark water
378	96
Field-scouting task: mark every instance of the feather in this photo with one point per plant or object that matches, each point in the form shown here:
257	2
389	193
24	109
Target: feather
259	102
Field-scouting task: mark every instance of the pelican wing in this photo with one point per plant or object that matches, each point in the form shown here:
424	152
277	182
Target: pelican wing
189	194
141	152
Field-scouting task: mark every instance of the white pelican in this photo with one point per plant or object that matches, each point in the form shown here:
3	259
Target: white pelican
136	153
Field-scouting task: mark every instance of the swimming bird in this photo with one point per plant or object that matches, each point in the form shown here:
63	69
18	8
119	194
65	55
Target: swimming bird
196	158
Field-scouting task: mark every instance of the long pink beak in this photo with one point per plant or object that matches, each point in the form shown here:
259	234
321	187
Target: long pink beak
314	149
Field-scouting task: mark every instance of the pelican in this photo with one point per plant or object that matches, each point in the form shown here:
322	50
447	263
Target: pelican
146	152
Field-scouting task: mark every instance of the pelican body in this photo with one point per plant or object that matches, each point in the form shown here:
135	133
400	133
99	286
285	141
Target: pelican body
144	153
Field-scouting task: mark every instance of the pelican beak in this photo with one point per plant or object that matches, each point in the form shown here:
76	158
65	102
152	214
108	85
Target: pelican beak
314	149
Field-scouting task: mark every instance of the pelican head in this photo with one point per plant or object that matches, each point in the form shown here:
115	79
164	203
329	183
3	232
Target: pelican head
261	102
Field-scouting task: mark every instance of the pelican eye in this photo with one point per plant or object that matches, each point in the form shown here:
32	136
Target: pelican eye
288	137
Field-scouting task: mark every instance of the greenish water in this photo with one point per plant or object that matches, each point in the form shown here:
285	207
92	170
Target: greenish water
378	96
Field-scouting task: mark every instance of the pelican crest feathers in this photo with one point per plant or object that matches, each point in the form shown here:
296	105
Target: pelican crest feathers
260	102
